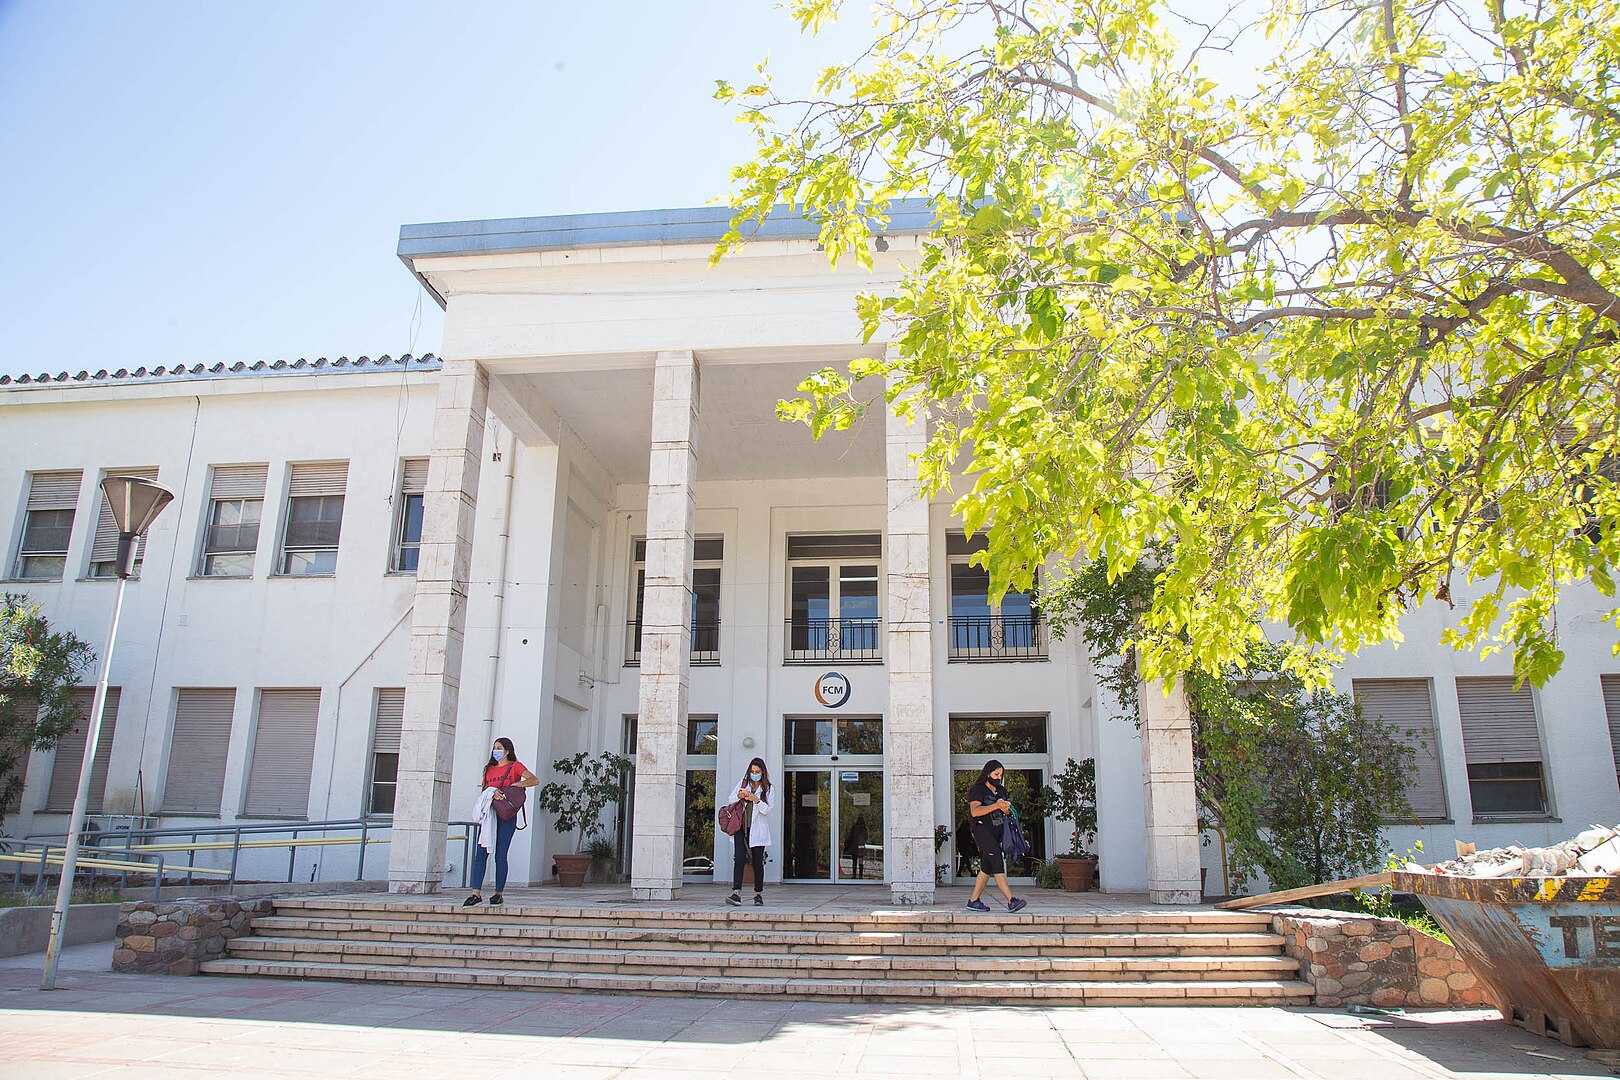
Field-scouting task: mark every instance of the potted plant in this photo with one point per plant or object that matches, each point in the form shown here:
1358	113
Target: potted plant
942	871
1072	797
576	805
604	860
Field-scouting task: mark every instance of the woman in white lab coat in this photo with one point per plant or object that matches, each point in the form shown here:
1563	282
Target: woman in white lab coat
754	791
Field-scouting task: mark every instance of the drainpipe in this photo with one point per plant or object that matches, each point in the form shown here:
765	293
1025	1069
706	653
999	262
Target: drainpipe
506	453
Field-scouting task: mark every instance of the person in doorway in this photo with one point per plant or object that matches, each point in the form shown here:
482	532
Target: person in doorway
855	845
503	770
755	835
987	810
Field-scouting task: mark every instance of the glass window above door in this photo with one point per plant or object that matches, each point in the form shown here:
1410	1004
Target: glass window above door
834	610
843	736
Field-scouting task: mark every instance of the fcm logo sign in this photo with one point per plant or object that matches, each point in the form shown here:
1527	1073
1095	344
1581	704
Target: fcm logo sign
832	690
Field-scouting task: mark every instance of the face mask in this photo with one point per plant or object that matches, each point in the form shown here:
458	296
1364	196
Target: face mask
753	776
497	756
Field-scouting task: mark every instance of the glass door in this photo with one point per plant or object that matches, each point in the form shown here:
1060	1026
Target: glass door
860	825
807	829
833	828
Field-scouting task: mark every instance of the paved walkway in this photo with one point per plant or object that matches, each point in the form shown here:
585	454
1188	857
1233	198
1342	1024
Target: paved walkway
131	1026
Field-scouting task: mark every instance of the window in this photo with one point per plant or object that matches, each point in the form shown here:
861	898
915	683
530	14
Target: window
1503	748
104	549
194	782
833	605
408	532
1010	630
1020	743
1611	706
48	525
708	554
14	753
283	754
70	754
702	740
387	731
309	547
1407	707
231	535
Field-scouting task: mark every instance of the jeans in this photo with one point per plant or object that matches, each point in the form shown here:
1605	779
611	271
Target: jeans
504	831
743	855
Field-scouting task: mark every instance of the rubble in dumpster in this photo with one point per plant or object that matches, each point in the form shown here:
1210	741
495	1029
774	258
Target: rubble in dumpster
1594	852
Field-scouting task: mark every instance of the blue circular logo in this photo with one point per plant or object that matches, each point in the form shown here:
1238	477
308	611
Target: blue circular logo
832	690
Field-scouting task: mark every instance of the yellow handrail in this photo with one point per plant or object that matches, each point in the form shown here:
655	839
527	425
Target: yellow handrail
109	864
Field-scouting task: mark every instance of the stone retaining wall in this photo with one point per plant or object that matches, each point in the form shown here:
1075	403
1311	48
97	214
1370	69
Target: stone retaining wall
1358	959
174	938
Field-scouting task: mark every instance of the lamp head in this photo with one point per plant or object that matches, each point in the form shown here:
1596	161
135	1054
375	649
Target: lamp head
135	502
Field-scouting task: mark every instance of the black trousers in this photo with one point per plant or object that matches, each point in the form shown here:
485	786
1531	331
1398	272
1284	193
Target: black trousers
743	855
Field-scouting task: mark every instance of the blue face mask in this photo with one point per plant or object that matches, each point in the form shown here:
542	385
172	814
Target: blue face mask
754	776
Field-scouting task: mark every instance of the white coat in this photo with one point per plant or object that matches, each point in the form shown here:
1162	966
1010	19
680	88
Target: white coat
484	814
759	834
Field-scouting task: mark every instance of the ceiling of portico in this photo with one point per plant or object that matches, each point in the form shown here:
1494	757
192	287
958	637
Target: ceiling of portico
739	437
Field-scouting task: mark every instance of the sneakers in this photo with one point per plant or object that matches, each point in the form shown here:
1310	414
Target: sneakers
471	900
759	899
1016	904
977	905
734	900
496	900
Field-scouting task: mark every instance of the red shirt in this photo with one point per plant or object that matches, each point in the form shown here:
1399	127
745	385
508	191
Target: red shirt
503	775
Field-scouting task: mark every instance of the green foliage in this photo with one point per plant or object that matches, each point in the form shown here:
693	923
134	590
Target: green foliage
39	670
1340	327
594	784
1072	797
1409	910
942	836
1048	875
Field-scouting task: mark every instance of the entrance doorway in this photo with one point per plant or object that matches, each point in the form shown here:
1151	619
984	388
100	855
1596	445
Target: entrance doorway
834	824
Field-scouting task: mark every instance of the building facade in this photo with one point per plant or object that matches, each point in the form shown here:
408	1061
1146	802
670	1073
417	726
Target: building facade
585	530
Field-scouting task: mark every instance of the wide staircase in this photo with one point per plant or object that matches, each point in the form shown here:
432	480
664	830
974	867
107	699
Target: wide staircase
1151	958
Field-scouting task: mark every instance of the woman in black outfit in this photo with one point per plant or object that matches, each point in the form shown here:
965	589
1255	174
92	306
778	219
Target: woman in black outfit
987	810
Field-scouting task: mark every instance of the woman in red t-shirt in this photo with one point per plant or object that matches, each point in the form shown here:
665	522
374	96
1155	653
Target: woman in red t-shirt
503	770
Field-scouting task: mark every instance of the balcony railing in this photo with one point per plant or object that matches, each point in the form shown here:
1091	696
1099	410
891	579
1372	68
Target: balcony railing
705	643
997	637
812	641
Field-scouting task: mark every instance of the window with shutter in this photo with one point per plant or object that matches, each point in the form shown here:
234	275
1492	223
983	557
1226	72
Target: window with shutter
194	781
15	751
48	524
70	754
1611	706
309	545
1406	706
235	507
1502	746
387	729
104	549
408	534
283	754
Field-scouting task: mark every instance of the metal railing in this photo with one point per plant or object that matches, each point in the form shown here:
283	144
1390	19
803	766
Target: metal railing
705	643
997	637
811	641
120	851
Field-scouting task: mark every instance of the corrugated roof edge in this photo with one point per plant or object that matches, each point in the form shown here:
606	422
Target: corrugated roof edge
241	369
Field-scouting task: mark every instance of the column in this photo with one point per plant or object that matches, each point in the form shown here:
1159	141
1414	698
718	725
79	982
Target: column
908	731
416	857
658	826
1172	802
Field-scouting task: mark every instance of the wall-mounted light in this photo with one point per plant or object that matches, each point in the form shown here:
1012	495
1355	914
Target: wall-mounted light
748	742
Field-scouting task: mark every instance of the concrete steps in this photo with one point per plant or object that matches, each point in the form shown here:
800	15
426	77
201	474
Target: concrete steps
1170	957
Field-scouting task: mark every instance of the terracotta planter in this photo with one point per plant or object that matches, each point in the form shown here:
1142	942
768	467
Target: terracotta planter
1078	874
571	869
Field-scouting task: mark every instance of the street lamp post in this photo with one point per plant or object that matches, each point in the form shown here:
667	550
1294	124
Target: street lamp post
135	504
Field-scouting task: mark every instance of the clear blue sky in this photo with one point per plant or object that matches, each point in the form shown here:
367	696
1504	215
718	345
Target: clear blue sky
207	181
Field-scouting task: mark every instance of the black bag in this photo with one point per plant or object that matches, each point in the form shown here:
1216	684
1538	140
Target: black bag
1013	842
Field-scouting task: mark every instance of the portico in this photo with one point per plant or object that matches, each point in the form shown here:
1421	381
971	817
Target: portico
645	382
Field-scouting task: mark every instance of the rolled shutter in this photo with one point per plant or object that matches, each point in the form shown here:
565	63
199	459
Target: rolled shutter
389	727
414	481
1498	722
1611	706
283	754
1406	706
15	749
70	754
238	482
105	548
194	782
54	490
318	478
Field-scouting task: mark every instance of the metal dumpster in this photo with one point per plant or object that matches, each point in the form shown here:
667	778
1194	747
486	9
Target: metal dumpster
1547	950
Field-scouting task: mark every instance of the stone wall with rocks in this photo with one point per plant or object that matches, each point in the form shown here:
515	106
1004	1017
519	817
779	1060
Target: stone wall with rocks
174	938
1356	959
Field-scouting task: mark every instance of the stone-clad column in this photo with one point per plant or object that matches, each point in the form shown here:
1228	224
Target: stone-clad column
1172	802
908	733
658	827
416	856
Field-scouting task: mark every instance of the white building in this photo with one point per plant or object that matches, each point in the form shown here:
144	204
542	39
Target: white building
584	529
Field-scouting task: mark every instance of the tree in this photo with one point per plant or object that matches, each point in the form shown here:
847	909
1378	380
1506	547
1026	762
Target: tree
38	672
1343	326
594	784
1300	782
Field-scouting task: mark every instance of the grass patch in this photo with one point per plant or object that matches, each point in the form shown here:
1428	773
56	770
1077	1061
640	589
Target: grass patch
48	898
